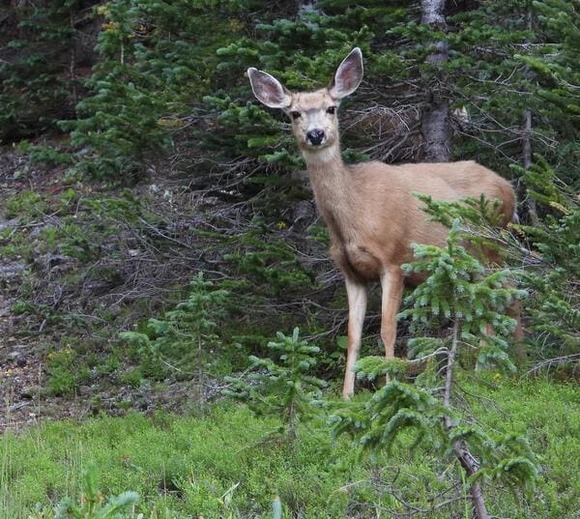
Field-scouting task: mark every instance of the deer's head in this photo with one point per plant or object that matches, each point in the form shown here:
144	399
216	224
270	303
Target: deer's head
313	114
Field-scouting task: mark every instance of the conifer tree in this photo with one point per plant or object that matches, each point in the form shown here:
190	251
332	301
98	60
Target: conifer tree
458	289
284	387
40	49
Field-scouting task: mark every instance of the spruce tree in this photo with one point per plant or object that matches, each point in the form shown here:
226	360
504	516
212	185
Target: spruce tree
458	290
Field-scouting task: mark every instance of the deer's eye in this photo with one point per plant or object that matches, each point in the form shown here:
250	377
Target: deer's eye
295	115
331	110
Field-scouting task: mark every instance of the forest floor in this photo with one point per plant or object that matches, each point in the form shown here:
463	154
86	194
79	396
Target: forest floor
20	362
25	398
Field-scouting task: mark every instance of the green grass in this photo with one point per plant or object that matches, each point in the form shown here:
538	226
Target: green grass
548	414
179	466
226	464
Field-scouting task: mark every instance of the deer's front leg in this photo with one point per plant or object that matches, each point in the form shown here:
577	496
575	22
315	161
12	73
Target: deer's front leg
392	283
357	305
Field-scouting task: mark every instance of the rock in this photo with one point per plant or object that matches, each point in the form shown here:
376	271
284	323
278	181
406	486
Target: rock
16	357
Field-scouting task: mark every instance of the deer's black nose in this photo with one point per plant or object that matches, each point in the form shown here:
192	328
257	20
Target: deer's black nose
315	137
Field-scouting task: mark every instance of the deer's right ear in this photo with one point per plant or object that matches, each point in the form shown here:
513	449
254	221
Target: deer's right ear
268	89
348	75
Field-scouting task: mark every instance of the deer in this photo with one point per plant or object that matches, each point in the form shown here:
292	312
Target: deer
371	209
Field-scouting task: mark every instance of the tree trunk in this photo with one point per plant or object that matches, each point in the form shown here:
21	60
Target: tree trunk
527	152
467	461
437	130
435	124
530	203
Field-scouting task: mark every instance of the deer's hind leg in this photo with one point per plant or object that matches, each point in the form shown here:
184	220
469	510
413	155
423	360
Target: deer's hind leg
392	284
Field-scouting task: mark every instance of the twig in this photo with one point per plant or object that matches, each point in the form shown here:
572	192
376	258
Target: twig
548	363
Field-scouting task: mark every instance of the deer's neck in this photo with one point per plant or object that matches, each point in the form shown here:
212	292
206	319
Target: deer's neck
331	183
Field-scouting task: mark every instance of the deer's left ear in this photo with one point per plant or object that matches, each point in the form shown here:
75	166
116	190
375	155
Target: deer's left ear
348	75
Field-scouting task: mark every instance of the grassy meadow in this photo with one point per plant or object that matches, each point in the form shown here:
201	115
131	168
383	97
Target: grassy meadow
227	463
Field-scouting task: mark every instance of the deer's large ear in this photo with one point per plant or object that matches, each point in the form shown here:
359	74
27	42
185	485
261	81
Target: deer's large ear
268	89
348	75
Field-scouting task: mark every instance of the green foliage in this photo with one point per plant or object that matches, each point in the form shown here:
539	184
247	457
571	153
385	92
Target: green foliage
397	407
459	290
64	372
26	205
66	240
156	60
48	155
186	466
119	123
163	78
554	270
219	466
414	417
185	342
534	43
93	505
269	262
557	75
284	387
120	127
35	90
475	211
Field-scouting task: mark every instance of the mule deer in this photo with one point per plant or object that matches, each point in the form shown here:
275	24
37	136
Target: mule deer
370	209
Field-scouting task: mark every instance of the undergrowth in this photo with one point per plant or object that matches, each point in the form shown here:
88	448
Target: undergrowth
226	464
